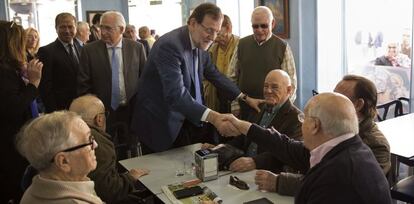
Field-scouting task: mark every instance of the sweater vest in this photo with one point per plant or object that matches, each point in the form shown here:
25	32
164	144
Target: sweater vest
254	62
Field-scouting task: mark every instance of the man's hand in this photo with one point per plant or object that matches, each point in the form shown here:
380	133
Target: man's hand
137	173
207	146
254	103
266	180
243	164
223	124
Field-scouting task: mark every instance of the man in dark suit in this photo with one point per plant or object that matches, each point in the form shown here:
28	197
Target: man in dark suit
277	112
61	61
340	167
169	110
110	69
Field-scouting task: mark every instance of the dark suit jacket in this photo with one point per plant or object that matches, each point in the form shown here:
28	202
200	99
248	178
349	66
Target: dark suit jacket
166	90
58	84
382	61
349	173
110	186
95	69
286	122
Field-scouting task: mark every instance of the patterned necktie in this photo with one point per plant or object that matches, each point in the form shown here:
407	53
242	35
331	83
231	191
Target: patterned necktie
73	55
115	80
198	96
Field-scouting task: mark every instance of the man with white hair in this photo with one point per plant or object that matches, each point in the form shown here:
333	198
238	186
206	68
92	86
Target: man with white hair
110	69
259	53
340	167
82	33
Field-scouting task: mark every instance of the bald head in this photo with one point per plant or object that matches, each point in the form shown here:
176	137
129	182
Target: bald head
88	107
335	112
262	11
277	87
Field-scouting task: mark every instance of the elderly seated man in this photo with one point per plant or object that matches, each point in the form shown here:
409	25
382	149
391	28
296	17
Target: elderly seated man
363	94
111	186
277	112
340	167
60	146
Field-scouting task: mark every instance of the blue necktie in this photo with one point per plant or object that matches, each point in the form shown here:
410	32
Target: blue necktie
115	80
33	109
198	96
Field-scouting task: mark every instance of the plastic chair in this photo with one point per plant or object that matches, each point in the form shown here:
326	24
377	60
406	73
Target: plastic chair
404	190
384	109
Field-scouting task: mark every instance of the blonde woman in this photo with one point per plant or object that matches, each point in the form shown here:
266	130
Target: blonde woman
32	43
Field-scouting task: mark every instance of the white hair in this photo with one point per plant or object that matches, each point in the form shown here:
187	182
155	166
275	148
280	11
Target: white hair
263	10
120	20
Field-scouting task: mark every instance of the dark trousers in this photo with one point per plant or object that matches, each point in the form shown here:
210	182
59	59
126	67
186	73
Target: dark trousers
117	125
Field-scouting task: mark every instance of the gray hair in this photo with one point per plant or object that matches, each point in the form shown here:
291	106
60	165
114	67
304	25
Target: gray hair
81	24
263	10
335	121
120	20
41	139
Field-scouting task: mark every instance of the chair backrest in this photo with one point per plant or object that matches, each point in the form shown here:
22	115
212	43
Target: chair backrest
403	190
405	104
314	93
383	109
28	175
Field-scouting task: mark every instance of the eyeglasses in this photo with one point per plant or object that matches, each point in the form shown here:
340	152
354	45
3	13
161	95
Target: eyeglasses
272	88
263	26
301	117
390	47
71	149
209	31
107	28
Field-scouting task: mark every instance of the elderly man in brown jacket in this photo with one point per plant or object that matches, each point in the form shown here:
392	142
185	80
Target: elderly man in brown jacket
363	94
111	186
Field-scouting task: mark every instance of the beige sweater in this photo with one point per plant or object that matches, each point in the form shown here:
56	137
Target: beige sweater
59	192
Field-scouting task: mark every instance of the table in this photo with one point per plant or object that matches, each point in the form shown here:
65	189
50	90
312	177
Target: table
399	132
163	167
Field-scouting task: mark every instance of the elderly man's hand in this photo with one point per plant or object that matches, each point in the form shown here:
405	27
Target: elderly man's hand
243	164
207	146
137	173
223	124
254	103
266	180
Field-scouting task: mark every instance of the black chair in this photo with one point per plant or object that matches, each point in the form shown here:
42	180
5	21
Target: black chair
28	175
386	107
314	93
405	102
404	190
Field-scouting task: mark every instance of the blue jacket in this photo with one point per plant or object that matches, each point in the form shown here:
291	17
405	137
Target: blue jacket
165	96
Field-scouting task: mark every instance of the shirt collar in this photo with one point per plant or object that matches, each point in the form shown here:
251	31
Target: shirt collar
119	45
319	152
267	38
65	44
191	41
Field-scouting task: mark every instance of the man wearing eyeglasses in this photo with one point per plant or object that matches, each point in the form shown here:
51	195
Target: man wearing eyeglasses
257	54
169	111
110	186
277	112
110	69
60	146
340	167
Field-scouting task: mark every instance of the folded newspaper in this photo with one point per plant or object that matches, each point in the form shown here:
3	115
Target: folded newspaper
207	194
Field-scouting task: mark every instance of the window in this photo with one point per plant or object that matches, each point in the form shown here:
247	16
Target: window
370	38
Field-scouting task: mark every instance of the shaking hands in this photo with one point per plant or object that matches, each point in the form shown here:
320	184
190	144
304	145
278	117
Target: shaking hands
228	125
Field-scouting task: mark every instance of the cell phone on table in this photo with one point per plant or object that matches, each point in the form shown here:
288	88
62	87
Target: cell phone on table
188	192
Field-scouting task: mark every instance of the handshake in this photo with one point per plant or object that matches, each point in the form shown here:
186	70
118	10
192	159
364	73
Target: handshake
228	125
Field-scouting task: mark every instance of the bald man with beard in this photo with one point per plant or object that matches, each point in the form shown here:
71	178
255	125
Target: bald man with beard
340	167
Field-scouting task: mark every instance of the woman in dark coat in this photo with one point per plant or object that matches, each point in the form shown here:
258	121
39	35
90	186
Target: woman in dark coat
19	80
